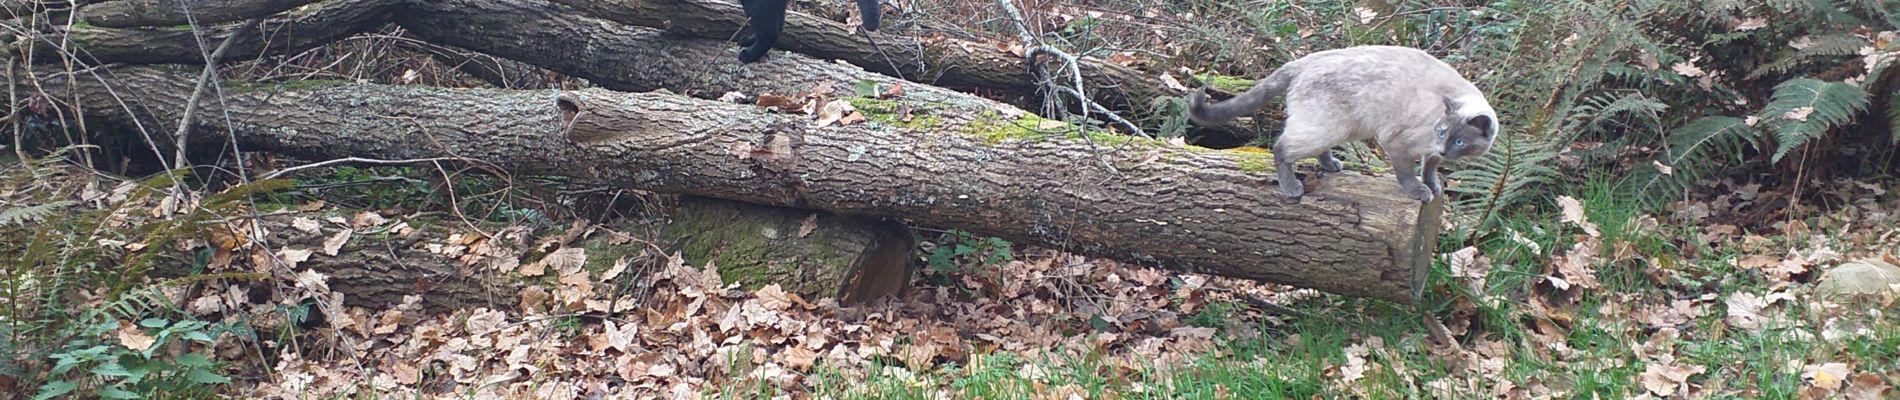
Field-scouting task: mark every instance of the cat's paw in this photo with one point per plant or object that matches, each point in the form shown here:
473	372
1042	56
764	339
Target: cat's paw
1420	192
1330	164
1292	188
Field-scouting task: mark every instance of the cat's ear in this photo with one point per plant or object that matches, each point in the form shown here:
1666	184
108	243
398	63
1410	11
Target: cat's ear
1452	105
1485	124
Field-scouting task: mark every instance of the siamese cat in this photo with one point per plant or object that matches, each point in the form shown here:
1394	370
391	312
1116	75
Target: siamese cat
767	18
1415	106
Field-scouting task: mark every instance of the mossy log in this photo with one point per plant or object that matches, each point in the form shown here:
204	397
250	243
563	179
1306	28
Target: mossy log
815	254
812	253
1015	176
943	61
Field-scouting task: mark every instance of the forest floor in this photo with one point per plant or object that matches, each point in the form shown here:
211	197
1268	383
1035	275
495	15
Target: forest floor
1606	302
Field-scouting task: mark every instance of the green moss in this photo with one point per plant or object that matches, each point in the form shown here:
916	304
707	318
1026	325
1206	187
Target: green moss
1255	161
993	128
888	112
1226	83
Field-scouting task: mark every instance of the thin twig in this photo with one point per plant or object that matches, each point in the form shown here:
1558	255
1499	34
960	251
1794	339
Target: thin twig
204	80
1116	119
281	172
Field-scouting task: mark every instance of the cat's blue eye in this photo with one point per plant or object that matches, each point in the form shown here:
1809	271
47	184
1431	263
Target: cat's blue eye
1458	142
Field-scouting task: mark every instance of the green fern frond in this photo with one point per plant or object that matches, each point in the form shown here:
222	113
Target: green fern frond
1606	108
1695	150
35	213
1823	46
1804	109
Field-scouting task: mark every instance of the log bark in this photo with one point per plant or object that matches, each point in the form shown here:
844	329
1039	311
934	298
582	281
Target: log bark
158	13
948	62
1183	208
852	259
330	21
814	254
638	59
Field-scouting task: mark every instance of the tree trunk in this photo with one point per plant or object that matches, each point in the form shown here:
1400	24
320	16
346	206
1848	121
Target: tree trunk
160	13
991	173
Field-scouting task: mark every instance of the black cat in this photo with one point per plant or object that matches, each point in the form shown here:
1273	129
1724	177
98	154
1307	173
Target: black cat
767	17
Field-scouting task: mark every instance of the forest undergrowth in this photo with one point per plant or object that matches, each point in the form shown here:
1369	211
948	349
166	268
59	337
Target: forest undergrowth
1690	200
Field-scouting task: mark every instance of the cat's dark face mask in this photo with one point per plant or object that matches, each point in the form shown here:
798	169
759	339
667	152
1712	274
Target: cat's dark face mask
1465	137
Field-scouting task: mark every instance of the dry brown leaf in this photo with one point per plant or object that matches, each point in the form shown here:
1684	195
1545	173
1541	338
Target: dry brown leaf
1750	24
537	268
1168	81
566	260
782	103
1573	213
834	111
620	265
1866	386
798	358
622	338
1687	69
810	224
1757	262
134	337
311	279
773	297
1827	376
367	219
335	243
1469	263
291	257
307	225
484	321
1798	114
1664	379
1744	311
1576	266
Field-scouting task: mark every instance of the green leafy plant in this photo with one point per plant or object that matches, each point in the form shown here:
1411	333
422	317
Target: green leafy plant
116	371
961	249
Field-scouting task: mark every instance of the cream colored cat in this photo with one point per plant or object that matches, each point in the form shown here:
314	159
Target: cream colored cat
1415	106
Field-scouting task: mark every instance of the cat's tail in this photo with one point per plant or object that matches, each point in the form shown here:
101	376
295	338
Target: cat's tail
871	13
1245	103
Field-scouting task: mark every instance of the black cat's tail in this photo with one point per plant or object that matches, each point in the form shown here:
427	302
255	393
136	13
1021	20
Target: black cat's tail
871	13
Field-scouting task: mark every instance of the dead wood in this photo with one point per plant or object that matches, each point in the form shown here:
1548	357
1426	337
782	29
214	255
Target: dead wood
161	13
289	33
996	173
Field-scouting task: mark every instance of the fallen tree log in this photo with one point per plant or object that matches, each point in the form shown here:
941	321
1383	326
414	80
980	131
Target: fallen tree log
157	13
639	59
1135	200
814	254
939	61
292	32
